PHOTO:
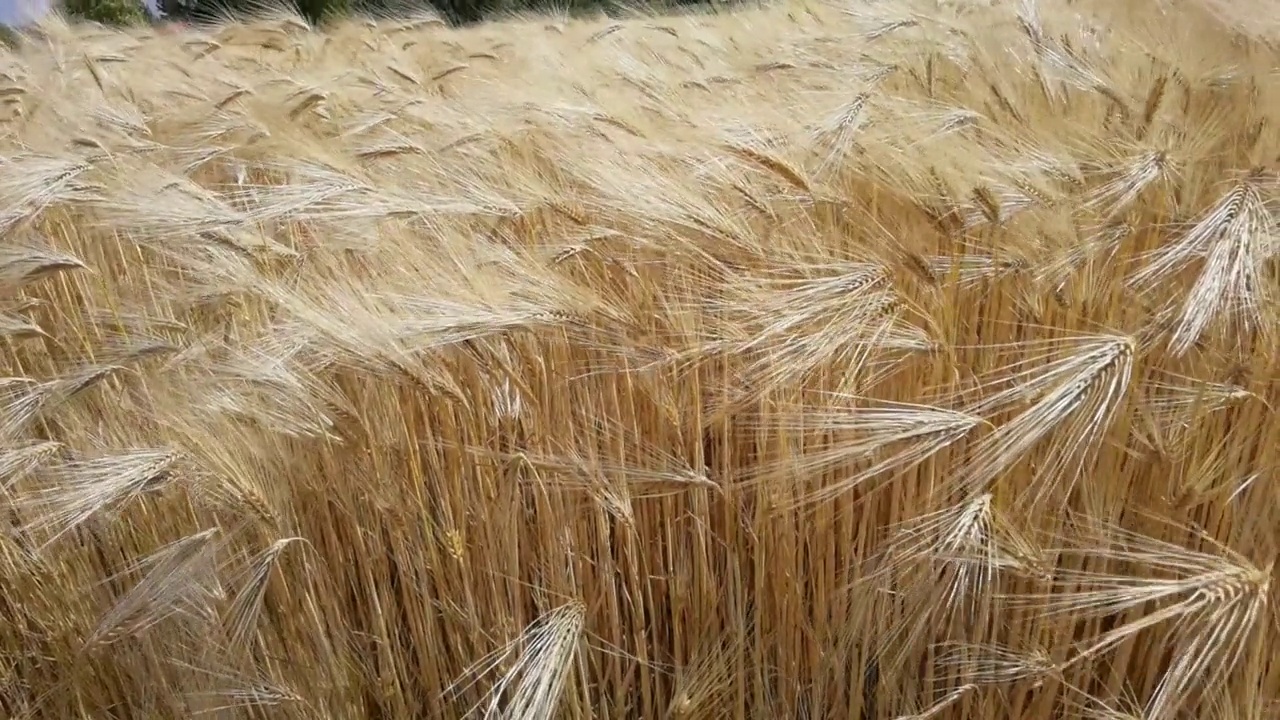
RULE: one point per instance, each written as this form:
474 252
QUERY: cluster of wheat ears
863 360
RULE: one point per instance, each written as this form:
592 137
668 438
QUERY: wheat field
877 359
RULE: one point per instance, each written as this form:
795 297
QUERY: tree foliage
458 12
112 12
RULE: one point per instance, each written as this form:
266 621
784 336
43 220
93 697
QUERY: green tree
108 12
317 11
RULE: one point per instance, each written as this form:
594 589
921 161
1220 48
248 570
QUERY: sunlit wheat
816 359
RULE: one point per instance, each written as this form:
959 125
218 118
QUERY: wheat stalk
901 358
